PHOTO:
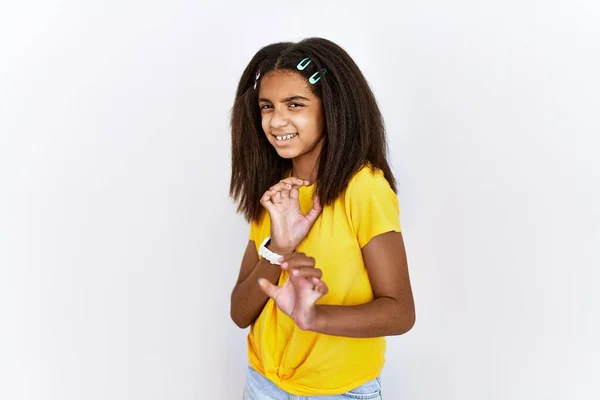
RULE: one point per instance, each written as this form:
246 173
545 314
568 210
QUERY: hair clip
256 80
314 80
303 64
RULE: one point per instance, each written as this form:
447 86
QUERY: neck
304 170
306 166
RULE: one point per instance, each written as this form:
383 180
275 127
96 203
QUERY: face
292 117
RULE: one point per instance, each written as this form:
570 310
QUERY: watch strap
267 254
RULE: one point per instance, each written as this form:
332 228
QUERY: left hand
289 225
298 295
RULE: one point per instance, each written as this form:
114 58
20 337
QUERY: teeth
286 137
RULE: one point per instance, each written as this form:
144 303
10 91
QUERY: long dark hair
354 130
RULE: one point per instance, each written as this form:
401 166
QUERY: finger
290 181
295 192
293 255
293 186
307 273
275 188
276 198
315 211
268 288
268 195
281 186
266 202
296 258
283 263
320 286
295 181
285 194
298 262
286 185
301 284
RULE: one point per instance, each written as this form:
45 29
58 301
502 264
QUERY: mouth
283 138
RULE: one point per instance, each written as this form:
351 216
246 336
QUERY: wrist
318 321
273 254
278 249
312 320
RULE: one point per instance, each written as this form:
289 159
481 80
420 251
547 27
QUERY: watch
268 254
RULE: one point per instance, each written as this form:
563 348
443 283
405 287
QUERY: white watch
268 254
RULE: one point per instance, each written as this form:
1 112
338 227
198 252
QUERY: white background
119 245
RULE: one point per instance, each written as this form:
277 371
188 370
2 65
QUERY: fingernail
295 272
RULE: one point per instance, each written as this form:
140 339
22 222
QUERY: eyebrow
292 98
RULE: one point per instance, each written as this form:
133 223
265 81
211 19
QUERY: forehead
278 85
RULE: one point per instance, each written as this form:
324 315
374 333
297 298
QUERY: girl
324 277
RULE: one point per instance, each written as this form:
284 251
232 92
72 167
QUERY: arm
247 299
392 312
281 202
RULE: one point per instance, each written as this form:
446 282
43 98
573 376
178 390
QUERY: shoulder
368 181
371 205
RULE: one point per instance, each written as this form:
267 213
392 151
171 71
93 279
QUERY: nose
278 119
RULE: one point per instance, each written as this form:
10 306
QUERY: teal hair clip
303 64
314 77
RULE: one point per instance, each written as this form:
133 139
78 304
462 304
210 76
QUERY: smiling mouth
286 137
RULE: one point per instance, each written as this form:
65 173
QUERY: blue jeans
260 388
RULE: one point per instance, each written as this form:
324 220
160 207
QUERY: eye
265 106
296 105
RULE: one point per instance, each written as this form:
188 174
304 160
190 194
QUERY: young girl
324 277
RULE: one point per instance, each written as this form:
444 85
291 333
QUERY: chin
287 153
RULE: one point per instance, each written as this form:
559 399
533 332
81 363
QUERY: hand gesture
288 225
298 295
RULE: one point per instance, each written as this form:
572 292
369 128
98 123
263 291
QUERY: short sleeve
258 230
373 206
252 231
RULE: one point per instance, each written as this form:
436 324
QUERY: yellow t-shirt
307 363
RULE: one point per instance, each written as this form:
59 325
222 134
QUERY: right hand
298 295
288 225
